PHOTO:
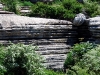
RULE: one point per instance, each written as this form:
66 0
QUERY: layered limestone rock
9 21
53 37
94 27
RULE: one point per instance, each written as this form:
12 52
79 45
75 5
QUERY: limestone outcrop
53 37
94 27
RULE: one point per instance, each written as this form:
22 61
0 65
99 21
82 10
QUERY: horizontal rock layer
52 37
94 26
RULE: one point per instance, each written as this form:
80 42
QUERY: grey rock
94 27
79 19
52 37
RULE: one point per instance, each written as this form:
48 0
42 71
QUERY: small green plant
76 70
2 57
51 72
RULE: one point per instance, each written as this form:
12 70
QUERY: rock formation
93 25
79 19
53 37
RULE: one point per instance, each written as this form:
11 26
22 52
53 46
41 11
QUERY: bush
2 57
22 59
11 5
91 60
26 3
62 9
39 10
76 53
57 12
92 9
73 5
89 64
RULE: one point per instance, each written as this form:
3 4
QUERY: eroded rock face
53 37
94 27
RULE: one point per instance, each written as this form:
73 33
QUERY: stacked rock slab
52 37
94 27
25 10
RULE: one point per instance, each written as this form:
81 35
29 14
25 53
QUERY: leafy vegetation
92 9
26 3
19 59
76 53
51 72
47 11
88 65
11 5
83 59
59 9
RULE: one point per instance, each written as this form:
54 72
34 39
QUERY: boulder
79 19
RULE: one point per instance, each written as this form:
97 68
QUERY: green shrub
91 60
88 65
76 53
76 70
26 3
69 15
57 12
2 57
39 9
92 9
19 59
11 5
73 5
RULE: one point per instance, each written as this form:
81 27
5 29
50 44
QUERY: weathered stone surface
23 21
25 10
52 37
1 6
79 19
94 26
